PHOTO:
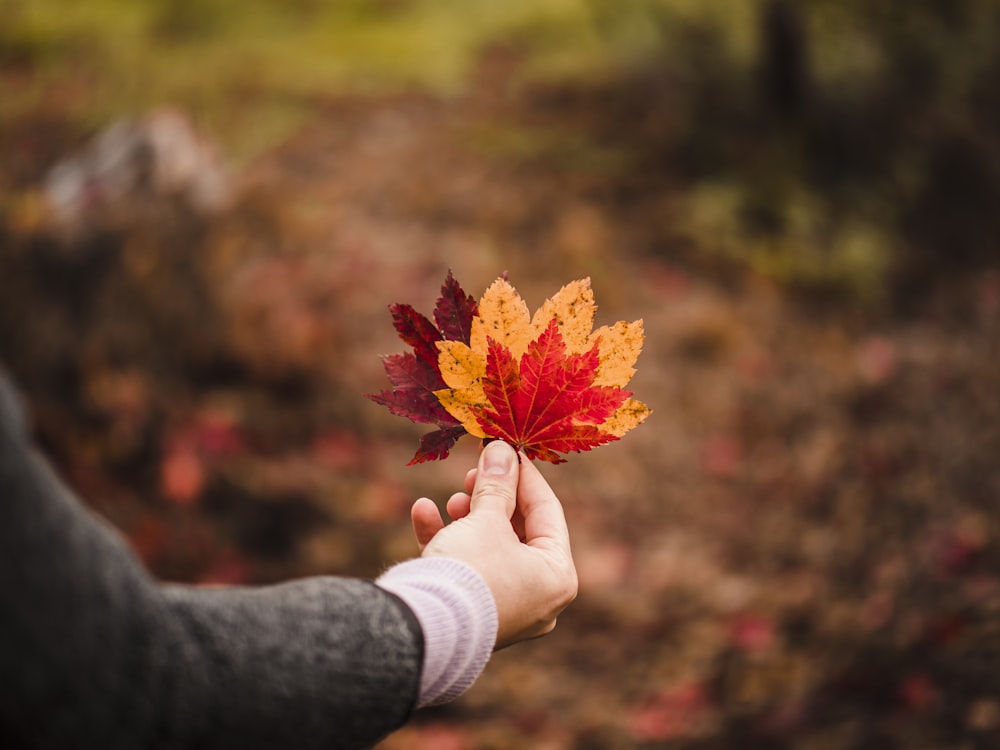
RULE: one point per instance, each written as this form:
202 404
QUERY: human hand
508 526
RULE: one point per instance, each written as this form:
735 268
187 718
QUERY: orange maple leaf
547 383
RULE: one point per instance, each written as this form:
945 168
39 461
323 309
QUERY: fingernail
498 458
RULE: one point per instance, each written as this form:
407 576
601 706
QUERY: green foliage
794 240
250 70
896 106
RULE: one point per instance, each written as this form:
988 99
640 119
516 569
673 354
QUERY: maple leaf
415 376
546 403
547 383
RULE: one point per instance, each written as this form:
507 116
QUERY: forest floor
799 549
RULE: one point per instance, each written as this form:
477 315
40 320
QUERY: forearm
321 662
94 653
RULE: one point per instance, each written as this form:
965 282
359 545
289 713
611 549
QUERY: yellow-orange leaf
459 404
510 353
462 371
503 317
573 308
630 414
460 366
620 346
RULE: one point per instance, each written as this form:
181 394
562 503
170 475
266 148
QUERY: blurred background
207 205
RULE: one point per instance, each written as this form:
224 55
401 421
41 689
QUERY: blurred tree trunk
784 71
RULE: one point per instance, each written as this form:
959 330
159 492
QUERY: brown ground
799 549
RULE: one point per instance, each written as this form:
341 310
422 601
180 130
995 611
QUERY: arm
94 653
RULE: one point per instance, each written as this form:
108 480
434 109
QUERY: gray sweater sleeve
94 653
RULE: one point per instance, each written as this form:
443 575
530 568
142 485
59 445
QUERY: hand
509 527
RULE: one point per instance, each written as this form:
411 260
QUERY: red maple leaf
547 384
416 375
546 404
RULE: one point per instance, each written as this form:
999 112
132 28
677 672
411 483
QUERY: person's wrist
458 616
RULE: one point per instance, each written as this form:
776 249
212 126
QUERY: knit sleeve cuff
458 616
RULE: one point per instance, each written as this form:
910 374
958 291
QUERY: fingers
427 521
545 530
544 521
496 479
458 505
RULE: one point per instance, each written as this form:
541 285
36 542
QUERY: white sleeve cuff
458 616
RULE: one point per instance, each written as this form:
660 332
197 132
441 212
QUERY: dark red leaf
418 331
437 444
454 311
412 395
416 375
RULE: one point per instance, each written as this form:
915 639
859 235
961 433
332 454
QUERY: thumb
496 480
